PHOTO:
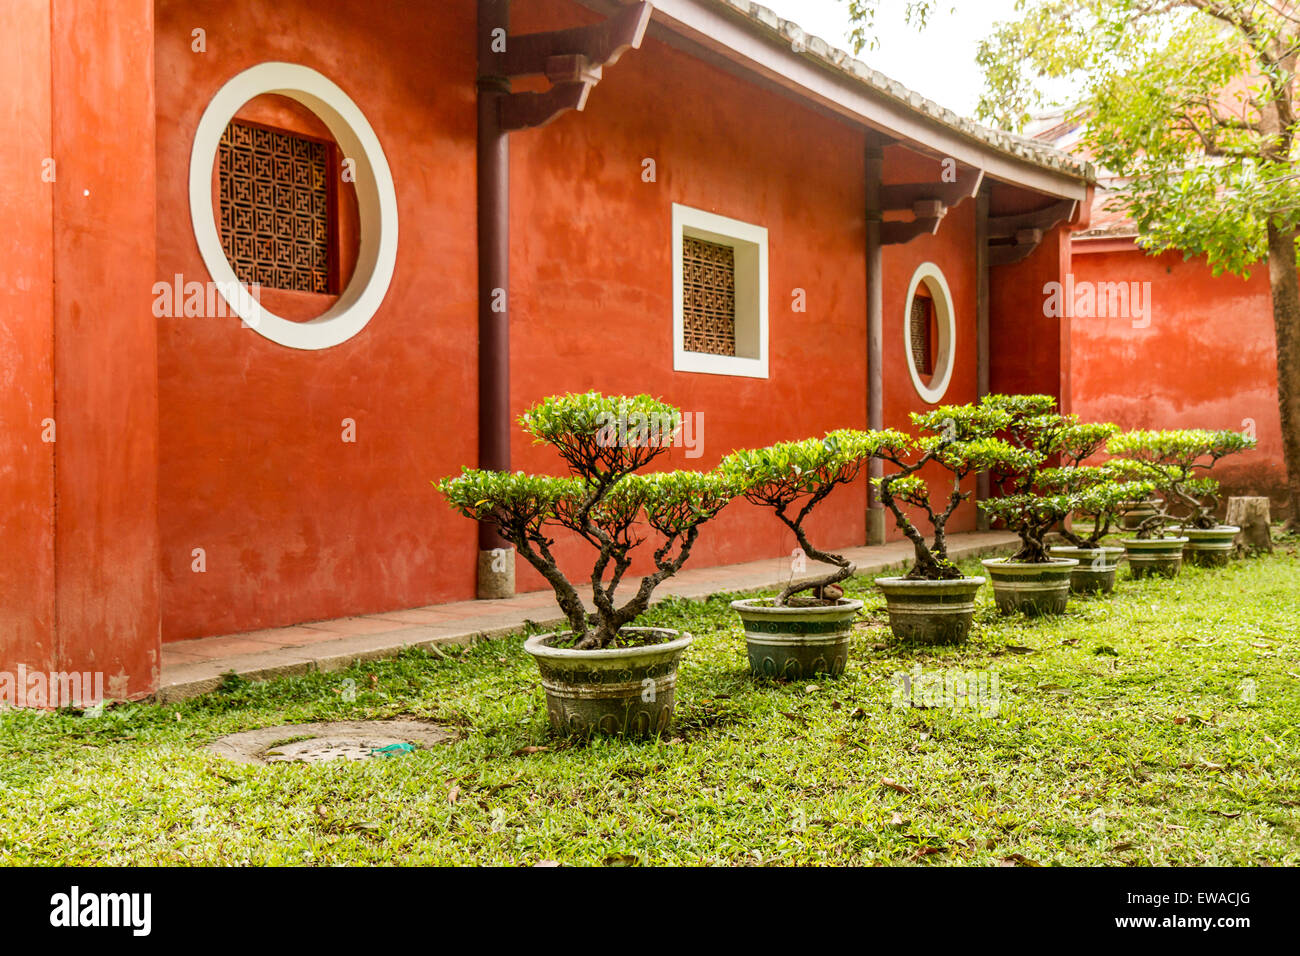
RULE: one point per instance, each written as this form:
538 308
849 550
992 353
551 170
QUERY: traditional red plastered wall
27 634
1029 352
105 345
592 272
1207 360
297 525
952 249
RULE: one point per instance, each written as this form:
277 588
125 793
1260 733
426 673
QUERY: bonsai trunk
844 565
1286 325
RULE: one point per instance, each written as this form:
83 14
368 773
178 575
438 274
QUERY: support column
875 164
982 330
496 557
107 606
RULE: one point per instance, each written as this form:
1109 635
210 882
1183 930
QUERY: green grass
1126 733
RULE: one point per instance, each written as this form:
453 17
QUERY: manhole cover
327 742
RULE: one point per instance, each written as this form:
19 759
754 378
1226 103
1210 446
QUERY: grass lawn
1157 726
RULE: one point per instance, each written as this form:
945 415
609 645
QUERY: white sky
939 63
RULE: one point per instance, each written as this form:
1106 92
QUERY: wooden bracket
928 202
905 196
1014 238
572 60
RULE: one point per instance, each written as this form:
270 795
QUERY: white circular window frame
946 324
376 203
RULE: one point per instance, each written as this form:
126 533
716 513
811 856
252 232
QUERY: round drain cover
328 742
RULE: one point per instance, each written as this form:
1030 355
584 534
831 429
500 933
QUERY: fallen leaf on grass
622 859
857 714
1017 649
545 863
894 785
928 851
525 751
1016 859
453 795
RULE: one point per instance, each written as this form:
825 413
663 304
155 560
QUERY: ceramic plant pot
1154 556
930 612
1210 547
623 691
1096 571
792 643
1031 588
1134 513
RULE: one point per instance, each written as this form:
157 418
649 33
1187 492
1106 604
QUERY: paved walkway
195 667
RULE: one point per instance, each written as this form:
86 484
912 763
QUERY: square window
720 295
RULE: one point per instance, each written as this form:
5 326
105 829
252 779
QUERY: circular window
376 201
930 333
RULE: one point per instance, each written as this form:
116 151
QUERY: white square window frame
750 244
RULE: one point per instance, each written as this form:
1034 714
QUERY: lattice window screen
275 209
709 296
922 351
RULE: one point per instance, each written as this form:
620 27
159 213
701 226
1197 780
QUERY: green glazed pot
930 612
620 692
1210 547
1031 588
1154 556
1096 571
793 643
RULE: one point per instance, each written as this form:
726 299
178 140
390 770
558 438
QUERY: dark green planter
930 612
1149 557
629 691
1210 547
1096 571
793 643
1033 588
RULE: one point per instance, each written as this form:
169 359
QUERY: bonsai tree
1100 493
793 478
604 501
963 440
1039 498
1177 463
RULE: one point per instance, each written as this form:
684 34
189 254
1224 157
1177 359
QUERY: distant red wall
1207 360
296 524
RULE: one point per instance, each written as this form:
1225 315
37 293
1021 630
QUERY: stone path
195 667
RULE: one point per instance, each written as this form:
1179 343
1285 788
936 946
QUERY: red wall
1208 359
296 524
26 333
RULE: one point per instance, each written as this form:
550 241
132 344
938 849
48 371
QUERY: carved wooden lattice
709 296
921 338
275 208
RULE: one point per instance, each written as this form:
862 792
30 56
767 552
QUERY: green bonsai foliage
1100 494
605 441
963 439
1039 498
1177 463
793 478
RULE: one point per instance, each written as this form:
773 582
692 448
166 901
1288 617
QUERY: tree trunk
1286 325
1252 516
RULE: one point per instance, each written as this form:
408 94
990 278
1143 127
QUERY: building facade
273 268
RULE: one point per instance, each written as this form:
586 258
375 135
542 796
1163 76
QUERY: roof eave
759 42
